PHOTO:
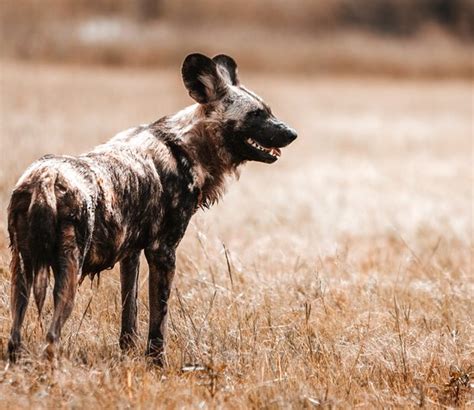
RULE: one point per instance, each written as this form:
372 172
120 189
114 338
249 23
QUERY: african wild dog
81 215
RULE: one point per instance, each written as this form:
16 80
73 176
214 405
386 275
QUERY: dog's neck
202 139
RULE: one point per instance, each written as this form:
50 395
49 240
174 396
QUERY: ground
339 276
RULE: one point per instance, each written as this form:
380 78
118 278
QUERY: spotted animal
79 215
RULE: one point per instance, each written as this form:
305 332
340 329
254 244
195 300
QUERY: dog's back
110 196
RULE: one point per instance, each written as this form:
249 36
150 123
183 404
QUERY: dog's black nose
292 135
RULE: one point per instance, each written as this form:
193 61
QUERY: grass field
347 280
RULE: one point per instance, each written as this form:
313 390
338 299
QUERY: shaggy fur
80 215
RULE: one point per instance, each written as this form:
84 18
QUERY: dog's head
249 128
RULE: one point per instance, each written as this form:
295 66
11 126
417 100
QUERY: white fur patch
146 142
184 121
243 102
224 74
209 84
27 173
73 176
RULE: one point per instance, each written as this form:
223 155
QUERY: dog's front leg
161 263
129 268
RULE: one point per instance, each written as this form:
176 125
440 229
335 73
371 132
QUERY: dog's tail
32 224
42 216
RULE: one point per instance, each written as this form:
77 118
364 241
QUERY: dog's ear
202 79
227 67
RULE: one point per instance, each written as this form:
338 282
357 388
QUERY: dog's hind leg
66 271
22 279
129 268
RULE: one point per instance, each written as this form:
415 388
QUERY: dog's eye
257 113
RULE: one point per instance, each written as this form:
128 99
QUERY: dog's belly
110 246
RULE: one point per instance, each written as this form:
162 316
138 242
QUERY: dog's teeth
274 152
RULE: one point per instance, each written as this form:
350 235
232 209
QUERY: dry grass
349 280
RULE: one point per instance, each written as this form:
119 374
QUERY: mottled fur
80 215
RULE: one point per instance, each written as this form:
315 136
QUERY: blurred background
369 213
391 37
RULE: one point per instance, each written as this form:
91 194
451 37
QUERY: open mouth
273 152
